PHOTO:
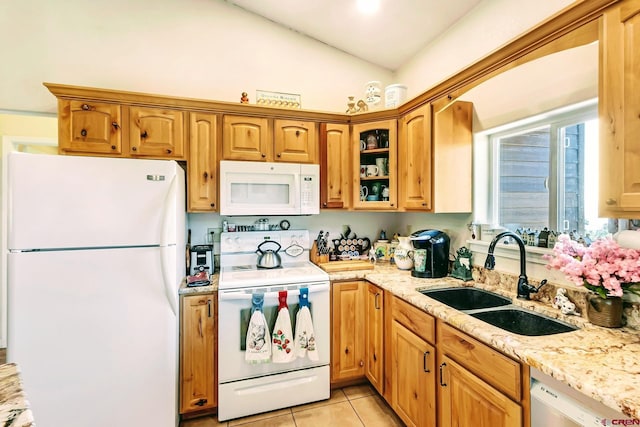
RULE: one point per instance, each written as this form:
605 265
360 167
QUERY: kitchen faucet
524 288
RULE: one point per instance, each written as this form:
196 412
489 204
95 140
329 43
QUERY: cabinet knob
144 134
264 155
168 151
115 125
297 133
205 175
83 132
424 204
85 107
134 148
611 202
213 205
361 363
113 147
391 204
375 357
346 350
324 204
279 155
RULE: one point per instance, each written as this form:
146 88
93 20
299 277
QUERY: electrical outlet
216 235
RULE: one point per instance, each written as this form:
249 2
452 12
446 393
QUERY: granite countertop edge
15 410
601 363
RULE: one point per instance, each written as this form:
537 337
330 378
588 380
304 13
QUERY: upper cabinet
335 166
202 167
246 138
264 140
452 158
414 159
89 127
374 170
156 132
619 106
295 141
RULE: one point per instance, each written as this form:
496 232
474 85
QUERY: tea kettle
268 258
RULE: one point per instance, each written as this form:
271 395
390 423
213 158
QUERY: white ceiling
388 38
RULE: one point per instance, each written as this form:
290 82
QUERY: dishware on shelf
364 192
382 163
372 142
363 171
372 198
377 188
372 170
373 93
385 194
363 145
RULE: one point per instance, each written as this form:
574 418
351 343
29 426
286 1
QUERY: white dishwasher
556 404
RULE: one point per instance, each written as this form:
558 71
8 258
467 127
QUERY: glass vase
605 312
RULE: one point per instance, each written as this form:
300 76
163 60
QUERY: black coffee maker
430 254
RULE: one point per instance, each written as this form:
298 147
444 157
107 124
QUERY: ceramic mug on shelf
372 198
377 188
372 142
372 170
363 145
363 171
364 192
385 194
382 163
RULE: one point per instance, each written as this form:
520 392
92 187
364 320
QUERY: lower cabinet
466 400
198 337
374 336
347 326
413 365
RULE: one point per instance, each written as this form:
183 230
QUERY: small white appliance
244 388
556 404
93 276
256 188
202 259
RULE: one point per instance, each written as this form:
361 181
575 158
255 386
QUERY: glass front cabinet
375 165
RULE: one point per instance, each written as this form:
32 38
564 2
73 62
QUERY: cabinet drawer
492 366
414 319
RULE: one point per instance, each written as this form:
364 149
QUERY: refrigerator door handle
169 290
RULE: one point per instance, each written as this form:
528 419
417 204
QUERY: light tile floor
351 406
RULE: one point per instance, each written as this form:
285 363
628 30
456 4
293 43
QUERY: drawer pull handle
375 301
201 402
346 350
424 362
466 344
611 202
375 358
442 374
209 308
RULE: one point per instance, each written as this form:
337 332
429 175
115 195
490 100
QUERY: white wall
204 49
490 25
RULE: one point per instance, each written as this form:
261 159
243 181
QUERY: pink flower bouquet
604 267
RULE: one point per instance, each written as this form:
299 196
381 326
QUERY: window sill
508 250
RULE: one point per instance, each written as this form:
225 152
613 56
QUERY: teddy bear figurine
244 99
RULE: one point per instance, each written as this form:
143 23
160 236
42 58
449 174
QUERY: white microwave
257 188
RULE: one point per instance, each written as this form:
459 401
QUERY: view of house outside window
546 174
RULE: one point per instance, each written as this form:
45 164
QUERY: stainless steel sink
498 310
523 322
466 298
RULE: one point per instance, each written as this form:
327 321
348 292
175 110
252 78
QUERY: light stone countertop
14 407
602 363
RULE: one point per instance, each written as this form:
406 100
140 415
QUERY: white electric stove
244 388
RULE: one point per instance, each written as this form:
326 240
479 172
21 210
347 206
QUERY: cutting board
351 265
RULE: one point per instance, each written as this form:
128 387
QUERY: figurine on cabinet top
244 99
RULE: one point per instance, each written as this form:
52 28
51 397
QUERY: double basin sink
498 311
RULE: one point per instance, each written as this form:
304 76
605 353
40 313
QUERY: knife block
315 257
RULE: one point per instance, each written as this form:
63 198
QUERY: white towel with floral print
305 338
257 348
282 337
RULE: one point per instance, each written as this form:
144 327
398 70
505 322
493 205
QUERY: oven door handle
246 295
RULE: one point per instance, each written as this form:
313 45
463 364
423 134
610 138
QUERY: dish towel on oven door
258 349
282 342
304 338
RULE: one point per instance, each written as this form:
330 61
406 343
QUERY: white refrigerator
96 255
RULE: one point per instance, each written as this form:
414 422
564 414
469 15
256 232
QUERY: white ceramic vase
403 255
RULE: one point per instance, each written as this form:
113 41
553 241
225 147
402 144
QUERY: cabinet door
619 106
412 377
246 138
374 345
156 132
347 318
295 141
452 158
374 144
414 160
198 384
335 166
466 400
89 127
202 166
